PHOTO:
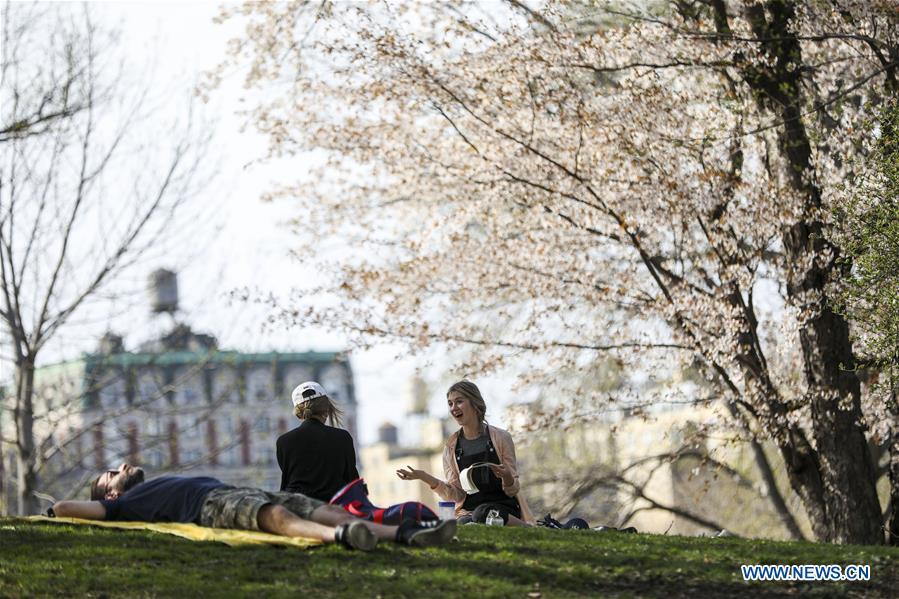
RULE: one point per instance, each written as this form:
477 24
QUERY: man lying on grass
123 495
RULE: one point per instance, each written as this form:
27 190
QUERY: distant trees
86 191
654 183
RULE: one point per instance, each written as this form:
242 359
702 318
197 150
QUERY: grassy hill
51 560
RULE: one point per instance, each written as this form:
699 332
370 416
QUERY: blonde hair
320 408
470 391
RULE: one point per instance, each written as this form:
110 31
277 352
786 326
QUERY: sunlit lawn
45 559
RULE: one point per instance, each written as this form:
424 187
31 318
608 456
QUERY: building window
188 387
99 448
263 424
152 457
259 384
333 379
174 458
225 386
149 390
190 397
112 391
212 443
295 374
245 448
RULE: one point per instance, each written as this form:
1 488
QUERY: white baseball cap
306 391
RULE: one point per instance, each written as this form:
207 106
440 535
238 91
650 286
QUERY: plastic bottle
494 519
446 510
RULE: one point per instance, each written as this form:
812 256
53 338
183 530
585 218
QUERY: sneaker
724 533
355 535
576 524
426 534
549 522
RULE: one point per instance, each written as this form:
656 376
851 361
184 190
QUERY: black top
316 460
162 499
490 487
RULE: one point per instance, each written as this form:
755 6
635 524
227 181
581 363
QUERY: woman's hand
410 473
504 473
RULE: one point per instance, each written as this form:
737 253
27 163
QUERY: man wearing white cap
316 459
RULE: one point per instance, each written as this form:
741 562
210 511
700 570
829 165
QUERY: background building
180 410
178 404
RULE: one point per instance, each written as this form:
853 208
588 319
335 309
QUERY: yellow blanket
192 532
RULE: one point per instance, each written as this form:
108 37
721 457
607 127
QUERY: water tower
387 433
163 291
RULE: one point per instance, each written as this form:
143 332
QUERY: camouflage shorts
238 507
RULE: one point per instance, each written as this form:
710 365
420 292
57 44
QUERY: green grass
51 560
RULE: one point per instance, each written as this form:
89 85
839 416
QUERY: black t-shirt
316 460
490 487
162 499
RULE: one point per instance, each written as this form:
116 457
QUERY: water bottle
446 510
494 519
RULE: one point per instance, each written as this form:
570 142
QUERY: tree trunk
850 494
892 520
3 474
26 477
852 511
848 510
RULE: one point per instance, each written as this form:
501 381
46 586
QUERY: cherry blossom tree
654 181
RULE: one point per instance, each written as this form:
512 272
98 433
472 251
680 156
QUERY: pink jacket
451 490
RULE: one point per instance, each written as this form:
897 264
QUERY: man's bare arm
89 510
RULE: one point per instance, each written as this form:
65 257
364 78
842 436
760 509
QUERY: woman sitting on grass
476 441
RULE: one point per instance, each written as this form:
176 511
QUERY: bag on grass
573 523
354 499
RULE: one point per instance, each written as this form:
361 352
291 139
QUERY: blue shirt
162 499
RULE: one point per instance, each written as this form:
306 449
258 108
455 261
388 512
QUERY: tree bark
845 479
4 511
26 477
853 511
892 519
